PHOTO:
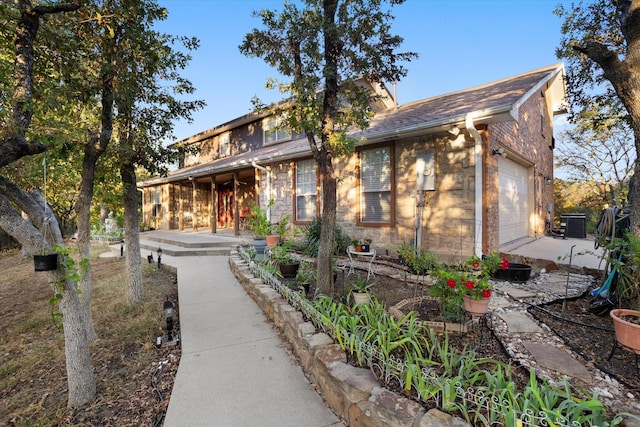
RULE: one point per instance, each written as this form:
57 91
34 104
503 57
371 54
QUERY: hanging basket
45 262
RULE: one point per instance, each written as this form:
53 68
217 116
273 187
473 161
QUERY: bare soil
134 378
590 336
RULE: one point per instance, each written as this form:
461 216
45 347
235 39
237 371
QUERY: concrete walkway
234 369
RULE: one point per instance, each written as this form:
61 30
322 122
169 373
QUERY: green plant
306 273
282 254
282 228
624 256
72 274
451 283
311 239
364 241
361 284
488 264
257 221
417 261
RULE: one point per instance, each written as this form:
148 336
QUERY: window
306 190
156 200
275 130
375 185
225 145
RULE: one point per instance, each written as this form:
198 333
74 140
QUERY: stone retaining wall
354 394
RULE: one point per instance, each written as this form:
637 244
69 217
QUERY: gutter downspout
262 168
471 128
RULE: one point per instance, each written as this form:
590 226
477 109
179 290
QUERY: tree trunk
93 149
327 232
42 230
83 218
80 378
135 290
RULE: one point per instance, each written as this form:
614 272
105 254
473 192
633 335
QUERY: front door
225 206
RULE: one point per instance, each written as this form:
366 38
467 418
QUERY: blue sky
461 44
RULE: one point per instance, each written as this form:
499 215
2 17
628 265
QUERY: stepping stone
501 302
518 322
558 360
519 293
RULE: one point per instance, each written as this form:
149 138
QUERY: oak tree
325 47
601 44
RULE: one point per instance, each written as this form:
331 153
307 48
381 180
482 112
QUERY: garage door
513 200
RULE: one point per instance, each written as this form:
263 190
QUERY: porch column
194 203
214 205
181 211
236 213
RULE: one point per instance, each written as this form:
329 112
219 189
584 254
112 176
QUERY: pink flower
486 293
451 283
504 265
469 284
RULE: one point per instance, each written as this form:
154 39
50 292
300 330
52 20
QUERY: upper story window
375 186
275 130
306 190
225 144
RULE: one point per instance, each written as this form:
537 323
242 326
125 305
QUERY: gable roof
489 103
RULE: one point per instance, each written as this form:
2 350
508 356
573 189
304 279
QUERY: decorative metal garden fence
486 405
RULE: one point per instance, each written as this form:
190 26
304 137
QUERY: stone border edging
354 394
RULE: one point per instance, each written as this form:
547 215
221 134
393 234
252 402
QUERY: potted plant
360 291
626 324
286 261
476 293
282 228
306 275
45 261
492 265
363 245
457 289
625 259
259 225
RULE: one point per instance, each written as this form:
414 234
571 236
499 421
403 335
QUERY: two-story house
456 174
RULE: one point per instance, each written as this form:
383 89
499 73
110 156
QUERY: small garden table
351 252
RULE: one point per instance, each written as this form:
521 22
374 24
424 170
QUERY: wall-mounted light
454 131
548 180
190 177
499 152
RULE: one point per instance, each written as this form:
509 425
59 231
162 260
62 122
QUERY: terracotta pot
357 248
272 240
45 262
627 333
475 307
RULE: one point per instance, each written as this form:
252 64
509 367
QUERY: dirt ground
590 336
134 378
